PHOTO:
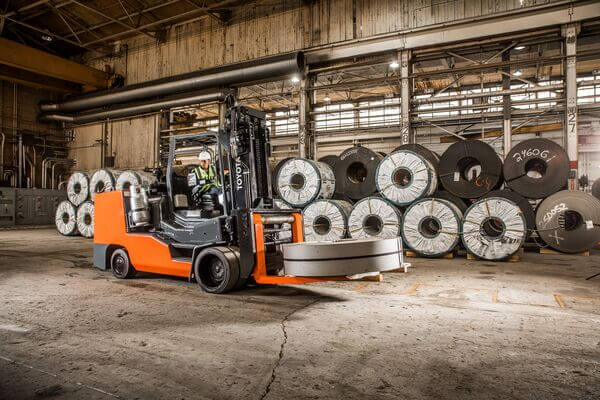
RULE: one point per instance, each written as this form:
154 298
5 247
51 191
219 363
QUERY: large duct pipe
136 109
256 70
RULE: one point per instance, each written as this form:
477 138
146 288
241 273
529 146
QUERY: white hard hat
204 155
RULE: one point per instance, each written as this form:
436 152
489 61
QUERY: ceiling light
327 98
295 79
394 64
520 47
518 72
47 38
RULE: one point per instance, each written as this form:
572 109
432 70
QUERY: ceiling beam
30 79
29 59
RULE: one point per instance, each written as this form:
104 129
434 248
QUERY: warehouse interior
299 199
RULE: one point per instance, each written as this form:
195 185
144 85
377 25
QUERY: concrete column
570 32
406 132
304 129
506 126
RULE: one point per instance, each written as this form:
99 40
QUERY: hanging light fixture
394 64
518 72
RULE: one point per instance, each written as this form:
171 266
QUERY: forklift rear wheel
120 264
217 270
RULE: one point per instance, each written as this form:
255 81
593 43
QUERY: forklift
222 242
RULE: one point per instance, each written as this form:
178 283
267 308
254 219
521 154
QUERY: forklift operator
206 178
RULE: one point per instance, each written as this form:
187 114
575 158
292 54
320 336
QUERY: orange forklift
221 241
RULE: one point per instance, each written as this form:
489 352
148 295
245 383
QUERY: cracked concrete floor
447 329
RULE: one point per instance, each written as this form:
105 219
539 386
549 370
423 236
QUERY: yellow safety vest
206 179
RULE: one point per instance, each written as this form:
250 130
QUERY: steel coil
457 201
569 221
330 160
275 171
103 180
523 204
355 172
493 228
374 217
596 189
301 181
405 176
78 188
85 219
343 258
66 218
431 227
423 151
470 168
138 178
326 220
536 168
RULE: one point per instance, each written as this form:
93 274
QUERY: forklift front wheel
120 265
217 270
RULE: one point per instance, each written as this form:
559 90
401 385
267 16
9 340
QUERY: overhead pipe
256 70
138 109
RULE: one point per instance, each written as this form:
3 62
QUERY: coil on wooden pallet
405 176
301 181
85 219
536 168
103 180
470 168
569 221
355 172
66 218
342 258
78 188
523 204
493 228
431 227
423 151
374 217
326 220
138 178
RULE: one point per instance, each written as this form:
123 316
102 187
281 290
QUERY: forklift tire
120 265
217 270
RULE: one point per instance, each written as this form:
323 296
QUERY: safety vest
206 179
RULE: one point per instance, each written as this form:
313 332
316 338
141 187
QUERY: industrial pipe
255 70
136 109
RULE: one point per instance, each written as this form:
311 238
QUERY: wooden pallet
546 250
412 254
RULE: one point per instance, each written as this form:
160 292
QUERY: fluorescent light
47 38
327 98
520 47
295 79
394 64
518 72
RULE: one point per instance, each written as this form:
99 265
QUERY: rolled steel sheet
301 181
374 217
457 201
330 160
103 180
596 189
66 218
431 227
326 220
423 151
523 204
493 228
536 168
404 177
85 219
78 188
355 172
275 171
470 168
139 178
569 221
342 258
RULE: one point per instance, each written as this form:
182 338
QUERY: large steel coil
66 218
536 168
103 180
85 219
138 178
569 221
523 204
78 188
374 217
326 220
405 176
275 171
342 258
457 201
423 151
493 228
355 172
431 227
301 181
470 168
330 160
596 188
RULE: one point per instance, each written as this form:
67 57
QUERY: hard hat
204 155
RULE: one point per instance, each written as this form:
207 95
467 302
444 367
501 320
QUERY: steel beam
30 79
406 134
506 107
304 108
570 32
26 58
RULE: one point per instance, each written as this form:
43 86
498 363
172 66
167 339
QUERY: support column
222 112
570 32
305 139
507 123
406 132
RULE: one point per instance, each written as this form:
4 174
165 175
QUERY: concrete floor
447 329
